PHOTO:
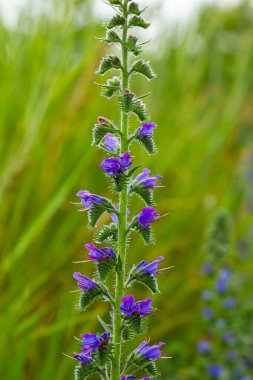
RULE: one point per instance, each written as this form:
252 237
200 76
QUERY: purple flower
146 352
90 342
84 283
229 303
221 286
128 377
144 180
204 347
225 274
115 166
215 371
146 130
144 267
227 337
111 143
128 305
87 199
207 313
147 216
96 254
207 268
144 307
207 295
83 357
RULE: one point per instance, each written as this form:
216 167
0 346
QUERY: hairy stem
122 218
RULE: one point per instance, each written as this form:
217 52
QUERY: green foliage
140 110
151 368
143 68
104 268
107 328
108 233
83 371
145 233
95 212
146 194
112 37
87 298
99 132
117 20
133 46
147 142
111 88
138 21
108 63
134 8
126 101
150 281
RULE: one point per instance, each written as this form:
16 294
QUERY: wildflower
112 143
83 357
221 286
146 268
128 305
115 166
225 274
145 352
146 130
144 179
90 342
215 371
96 254
227 337
207 313
85 283
88 200
229 302
207 295
207 268
147 216
104 121
144 307
204 347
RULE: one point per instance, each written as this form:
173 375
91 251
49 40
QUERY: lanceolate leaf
147 143
100 130
126 101
133 46
146 194
108 63
152 369
87 298
143 68
150 281
95 212
138 21
116 21
106 327
111 88
107 233
104 268
134 8
83 371
140 109
112 37
146 233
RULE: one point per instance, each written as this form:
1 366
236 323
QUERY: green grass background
202 102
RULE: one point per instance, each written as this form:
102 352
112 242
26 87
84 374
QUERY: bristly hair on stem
102 353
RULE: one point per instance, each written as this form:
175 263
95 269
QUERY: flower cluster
223 351
101 353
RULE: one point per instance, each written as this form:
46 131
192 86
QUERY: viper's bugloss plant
104 353
225 348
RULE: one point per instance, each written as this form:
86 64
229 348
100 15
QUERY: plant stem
122 217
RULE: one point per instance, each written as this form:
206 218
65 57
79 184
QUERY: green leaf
112 37
111 88
133 46
119 183
134 9
108 233
146 194
138 21
139 108
108 63
117 20
146 233
83 371
100 130
106 327
103 355
125 101
148 280
152 369
115 2
87 298
132 171
143 68
104 268
147 142
96 211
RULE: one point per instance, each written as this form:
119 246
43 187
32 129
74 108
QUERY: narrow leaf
116 21
108 63
106 327
134 9
143 68
138 21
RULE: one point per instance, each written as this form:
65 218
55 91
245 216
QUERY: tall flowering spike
102 353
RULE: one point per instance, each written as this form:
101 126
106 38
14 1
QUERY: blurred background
202 102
